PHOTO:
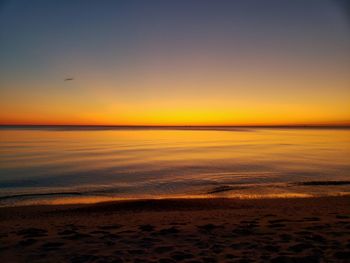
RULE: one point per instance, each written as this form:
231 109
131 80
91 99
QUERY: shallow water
69 165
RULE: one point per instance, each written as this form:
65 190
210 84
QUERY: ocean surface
57 165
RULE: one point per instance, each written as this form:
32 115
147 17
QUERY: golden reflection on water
93 200
154 163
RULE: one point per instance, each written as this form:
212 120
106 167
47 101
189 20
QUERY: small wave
39 195
225 188
323 183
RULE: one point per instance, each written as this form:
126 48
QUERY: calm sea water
64 165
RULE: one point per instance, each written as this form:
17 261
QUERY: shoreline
78 199
302 189
199 203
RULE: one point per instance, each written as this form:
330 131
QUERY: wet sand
181 230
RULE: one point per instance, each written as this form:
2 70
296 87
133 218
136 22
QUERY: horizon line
181 126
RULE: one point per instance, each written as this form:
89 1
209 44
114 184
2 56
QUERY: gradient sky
183 62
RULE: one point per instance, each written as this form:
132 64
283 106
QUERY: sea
44 165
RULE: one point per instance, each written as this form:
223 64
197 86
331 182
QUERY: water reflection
154 163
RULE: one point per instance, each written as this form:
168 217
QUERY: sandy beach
180 230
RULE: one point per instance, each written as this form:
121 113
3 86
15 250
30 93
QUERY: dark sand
195 230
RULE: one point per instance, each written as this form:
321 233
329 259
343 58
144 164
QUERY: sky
183 62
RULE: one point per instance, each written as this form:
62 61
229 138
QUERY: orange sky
220 64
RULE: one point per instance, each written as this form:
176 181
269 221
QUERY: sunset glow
180 63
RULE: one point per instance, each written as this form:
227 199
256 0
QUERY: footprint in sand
77 236
316 238
287 259
110 227
300 247
180 256
318 227
285 238
99 232
163 249
67 232
277 225
311 219
136 252
202 245
342 217
217 249
271 248
27 242
208 227
170 230
146 228
52 246
242 231
32 232
342 255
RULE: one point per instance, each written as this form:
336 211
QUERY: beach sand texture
180 230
